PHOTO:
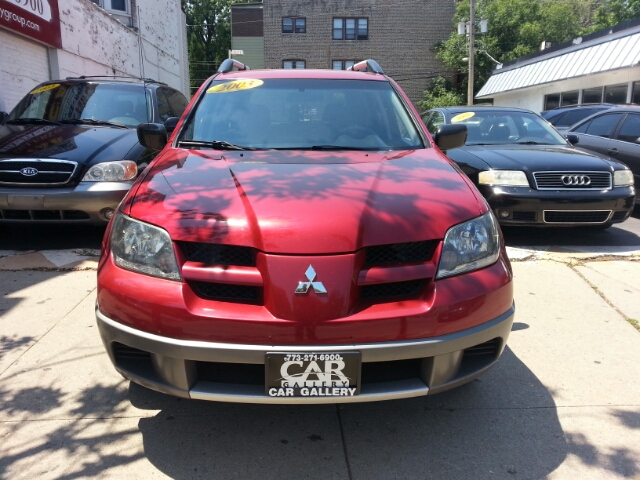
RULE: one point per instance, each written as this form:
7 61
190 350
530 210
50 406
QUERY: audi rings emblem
29 171
576 180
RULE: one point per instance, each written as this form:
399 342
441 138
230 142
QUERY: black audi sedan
531 175
69 150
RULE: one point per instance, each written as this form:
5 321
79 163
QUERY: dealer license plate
335 374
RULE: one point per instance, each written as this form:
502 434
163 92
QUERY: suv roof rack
367 66
127 77
229 63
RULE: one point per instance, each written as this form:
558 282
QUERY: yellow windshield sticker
462 117
45 88
235 86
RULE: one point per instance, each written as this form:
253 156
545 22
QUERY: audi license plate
335 374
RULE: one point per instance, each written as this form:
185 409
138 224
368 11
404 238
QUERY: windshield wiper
35 121
532 142
92 121
215 144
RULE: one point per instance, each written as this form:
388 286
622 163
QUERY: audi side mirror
573 139
152 135
448 137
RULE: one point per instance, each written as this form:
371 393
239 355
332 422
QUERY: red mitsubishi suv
301 238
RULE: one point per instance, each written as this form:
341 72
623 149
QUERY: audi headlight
513 178
470 246
112 172
622 178
143 248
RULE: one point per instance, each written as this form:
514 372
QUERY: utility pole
471 30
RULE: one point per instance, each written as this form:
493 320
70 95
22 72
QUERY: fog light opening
108 213
504 214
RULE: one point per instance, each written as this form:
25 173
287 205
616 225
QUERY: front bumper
178 367
86 203
525 206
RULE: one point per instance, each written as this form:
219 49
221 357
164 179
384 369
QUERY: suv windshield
70 102
302 114
507 127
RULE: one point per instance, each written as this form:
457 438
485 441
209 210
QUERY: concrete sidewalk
563 402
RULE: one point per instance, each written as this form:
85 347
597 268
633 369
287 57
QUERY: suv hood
79 143
301 202
534 158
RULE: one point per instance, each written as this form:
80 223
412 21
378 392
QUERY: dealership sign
37 19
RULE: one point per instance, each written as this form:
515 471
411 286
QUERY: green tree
516 28
208 36
441 94
612 12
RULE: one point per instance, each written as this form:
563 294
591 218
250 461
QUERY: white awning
614 54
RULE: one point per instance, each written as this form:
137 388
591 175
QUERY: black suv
69 151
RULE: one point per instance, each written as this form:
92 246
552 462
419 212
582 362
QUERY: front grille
233 373
553 180
227 293
489 348
43 215
524 216
391 290
216 254
400 253
395 370
560 216
49 172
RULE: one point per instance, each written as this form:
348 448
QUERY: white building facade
51 39
601 67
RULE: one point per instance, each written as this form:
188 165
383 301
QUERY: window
630 130
615 93
434 122
293 64
635 94
164 111
592 95
570 98
177 102
294 25
603 125
350 29
120 6
342 64
551 101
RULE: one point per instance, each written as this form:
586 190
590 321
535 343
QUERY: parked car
615 133
531 175
564 117
301 239
69 150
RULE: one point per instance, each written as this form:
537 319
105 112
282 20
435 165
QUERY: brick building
399 35
51 39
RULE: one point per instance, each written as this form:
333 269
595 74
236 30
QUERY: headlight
112 172
512 178
143 248
622 178
470 246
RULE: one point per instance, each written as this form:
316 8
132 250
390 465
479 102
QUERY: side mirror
152 135
452 136
170 124
573 139
3 117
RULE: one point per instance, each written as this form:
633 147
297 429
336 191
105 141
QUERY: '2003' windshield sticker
462 117
44 89
235 86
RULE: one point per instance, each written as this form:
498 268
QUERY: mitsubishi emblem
303 287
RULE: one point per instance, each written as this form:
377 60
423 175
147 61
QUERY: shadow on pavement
504 423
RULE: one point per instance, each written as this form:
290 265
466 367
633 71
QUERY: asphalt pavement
562 403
